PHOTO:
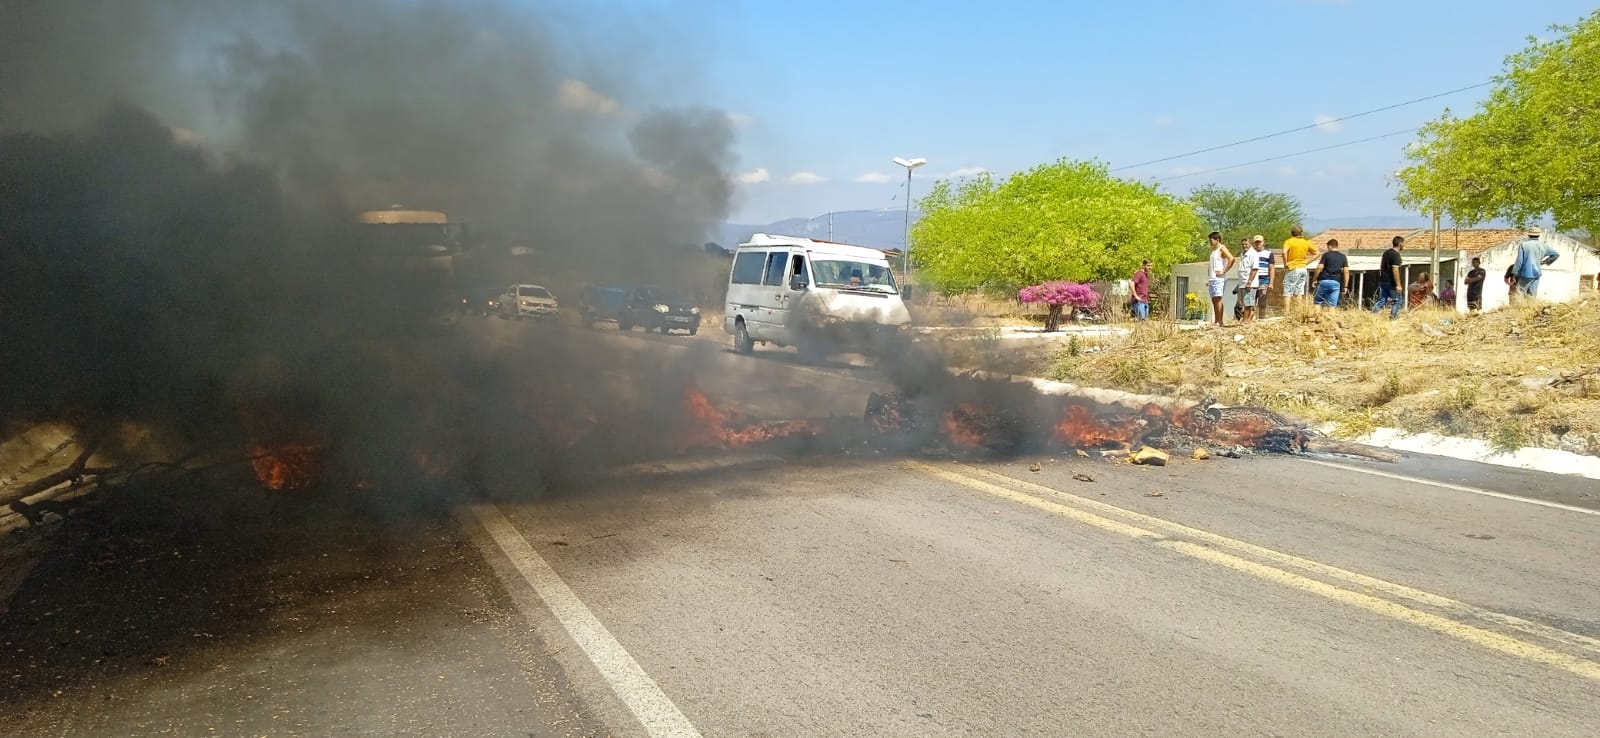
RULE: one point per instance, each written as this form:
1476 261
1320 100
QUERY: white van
819 296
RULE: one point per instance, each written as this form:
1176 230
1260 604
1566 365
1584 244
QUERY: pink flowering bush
1057 296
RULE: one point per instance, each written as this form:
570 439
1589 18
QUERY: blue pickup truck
603 303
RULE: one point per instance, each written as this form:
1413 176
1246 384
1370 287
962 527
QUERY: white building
1572 276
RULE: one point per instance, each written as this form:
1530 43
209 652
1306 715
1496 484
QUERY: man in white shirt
1249 279
1217 276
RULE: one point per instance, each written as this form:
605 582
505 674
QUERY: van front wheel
741 339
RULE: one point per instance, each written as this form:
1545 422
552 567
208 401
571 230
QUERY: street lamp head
910 163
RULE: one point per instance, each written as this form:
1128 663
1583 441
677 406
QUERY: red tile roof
1470 240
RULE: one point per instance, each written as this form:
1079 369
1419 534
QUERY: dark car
658 309
602 303
484 301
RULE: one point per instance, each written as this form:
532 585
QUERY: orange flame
713 426
960 425
1079 428
290 466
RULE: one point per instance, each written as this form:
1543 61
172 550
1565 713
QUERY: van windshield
853 275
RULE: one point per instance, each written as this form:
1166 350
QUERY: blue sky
827 92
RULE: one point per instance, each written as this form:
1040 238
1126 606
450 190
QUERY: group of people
1324 274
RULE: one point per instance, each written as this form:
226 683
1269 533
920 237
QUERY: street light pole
905 254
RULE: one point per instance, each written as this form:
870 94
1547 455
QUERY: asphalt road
855 595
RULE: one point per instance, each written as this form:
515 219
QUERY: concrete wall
1195 273
1562 281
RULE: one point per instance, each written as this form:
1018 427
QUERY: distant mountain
885 229
879 229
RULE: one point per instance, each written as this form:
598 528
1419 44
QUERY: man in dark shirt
1475 277
1389 278
1141 291
1333 277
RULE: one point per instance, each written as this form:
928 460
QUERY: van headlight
660 308
694 311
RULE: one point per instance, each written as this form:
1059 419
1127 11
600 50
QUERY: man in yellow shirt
1298 252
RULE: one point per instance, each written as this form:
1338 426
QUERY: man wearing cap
1298 252
1249 282
1264 264
1532 256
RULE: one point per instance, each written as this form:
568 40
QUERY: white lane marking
652 707
1456 487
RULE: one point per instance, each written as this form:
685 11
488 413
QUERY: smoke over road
177 178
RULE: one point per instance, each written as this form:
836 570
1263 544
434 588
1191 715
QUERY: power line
1286 156
1305 128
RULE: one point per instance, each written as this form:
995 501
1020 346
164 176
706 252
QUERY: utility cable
1286 156
1305 128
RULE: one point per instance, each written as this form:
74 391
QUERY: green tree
1244 213
1069 220
1532 148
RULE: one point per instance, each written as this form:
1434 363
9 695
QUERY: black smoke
178 179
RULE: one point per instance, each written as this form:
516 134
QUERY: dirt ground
1526 375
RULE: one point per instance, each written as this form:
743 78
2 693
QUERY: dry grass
975 310
1529 374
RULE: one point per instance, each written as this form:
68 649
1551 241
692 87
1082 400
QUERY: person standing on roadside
1389 278
1217 277
1475 277
1238 291
1249 282
1298 252
1264 267
1141 291
1533 256
1333 276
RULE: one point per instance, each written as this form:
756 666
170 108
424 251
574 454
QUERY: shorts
1250 297
1215 286
1294 283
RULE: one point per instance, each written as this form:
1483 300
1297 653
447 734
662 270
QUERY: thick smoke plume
178 179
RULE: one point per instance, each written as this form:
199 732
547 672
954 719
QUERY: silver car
528 301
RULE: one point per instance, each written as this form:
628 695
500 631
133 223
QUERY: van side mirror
798 283
905 292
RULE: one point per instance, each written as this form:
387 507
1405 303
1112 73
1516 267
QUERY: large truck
419 252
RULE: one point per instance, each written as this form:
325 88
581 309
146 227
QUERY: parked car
660 310
484 301
528 301
602 303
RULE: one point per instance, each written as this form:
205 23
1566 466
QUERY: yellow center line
1454 607
1442 625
